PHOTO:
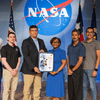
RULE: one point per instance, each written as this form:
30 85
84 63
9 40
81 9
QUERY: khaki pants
28 80
9 80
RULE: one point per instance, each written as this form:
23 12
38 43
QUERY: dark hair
33 26
89 28
54 38
75 30
11 33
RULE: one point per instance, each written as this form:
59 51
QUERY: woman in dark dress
55 79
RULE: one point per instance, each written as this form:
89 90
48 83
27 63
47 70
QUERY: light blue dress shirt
36 43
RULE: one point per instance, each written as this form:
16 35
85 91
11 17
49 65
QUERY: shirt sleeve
82 52
97 45
63 55
3 52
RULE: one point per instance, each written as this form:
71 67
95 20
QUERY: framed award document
46 62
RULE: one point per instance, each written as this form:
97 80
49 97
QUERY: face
11 38
33 32
55 43
89 33
75 36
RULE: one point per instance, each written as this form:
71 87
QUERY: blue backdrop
60 24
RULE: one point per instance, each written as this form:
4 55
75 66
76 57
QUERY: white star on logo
77 25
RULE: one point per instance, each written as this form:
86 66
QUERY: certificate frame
46 62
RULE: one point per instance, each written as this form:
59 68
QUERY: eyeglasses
55 42
90 32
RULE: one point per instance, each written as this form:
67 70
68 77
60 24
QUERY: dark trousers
0 73
75 84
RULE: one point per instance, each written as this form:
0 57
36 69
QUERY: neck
75 43
34 38
89 40
11 44
54 48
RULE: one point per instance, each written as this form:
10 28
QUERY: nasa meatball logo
51 16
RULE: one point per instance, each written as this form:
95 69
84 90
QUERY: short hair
76 30
89 28
33 26
11 33
54 38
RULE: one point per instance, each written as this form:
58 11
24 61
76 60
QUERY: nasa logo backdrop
51 16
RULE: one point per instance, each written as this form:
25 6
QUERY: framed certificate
46 62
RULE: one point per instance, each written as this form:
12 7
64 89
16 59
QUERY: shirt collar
89 42
56 49
76 45
34 39
10 46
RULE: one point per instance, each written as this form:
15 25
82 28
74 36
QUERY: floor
19 92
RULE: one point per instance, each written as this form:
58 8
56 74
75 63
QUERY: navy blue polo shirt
74 52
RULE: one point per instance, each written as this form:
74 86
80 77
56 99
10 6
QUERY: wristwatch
96 69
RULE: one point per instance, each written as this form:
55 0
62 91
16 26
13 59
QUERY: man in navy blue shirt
75 55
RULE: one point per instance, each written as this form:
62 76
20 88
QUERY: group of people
82 65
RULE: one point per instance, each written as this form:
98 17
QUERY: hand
53 73
13 72
70 72
41 50
94 73
36 70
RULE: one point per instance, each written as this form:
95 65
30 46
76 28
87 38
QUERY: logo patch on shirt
16 49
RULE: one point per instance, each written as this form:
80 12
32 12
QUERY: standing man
11 61
1 44
75 55
91 63
30 49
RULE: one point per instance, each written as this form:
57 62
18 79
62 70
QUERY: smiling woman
55 80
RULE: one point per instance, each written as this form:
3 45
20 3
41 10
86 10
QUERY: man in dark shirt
30 49
75 55
11 60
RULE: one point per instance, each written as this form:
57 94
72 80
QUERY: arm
25 51
1 44
63 61
78 63
0 59
70 72
98 59
67 62
60 68
18 64
8 66
94 74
